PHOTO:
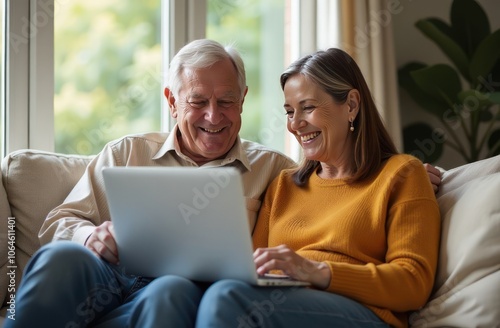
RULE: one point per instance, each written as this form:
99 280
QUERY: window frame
29 75
28 95
183 21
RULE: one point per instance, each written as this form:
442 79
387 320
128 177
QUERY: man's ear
243 100
171 102
353 100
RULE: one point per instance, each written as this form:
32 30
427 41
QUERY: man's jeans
65 285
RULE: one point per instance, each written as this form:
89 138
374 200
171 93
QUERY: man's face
208 111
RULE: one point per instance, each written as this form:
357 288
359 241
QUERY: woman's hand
285 259
102 242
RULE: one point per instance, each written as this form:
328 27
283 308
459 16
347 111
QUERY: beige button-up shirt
86 206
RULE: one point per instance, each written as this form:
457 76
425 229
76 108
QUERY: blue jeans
66 286
231 303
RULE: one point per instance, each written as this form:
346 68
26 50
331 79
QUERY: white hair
203 53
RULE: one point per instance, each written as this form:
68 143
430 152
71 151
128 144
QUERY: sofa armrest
467 285
35 182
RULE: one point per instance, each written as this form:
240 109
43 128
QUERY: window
81 73
256 27
107 64
108 75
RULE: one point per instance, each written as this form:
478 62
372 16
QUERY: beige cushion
457 177
35 182
467 286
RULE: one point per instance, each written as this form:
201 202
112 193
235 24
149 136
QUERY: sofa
467 287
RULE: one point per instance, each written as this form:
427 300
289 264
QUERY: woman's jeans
232 303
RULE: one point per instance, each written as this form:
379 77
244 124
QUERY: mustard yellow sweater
380 237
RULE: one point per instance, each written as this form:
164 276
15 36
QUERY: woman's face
318 122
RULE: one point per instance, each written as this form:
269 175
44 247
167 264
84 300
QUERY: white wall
412 45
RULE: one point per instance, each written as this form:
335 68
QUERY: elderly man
77 283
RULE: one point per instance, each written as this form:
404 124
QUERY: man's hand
434 175
102 242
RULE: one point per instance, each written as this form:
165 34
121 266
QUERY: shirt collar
170 144
236 153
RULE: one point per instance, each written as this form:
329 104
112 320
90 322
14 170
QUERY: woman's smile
309 138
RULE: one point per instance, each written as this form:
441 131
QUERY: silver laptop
184 221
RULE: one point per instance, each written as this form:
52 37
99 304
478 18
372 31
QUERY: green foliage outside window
256 27
107 72
108 67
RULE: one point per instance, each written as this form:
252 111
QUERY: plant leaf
440 81
470 22
494 79
494 97
474 99
424 100
494 142
420 140
445 28
485 57
447 44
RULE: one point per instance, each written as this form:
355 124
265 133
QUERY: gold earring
352 126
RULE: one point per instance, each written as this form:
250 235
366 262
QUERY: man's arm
84 215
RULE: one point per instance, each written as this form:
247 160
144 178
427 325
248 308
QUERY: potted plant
465 98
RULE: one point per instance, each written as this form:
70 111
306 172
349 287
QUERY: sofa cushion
458 176
467 286
35 183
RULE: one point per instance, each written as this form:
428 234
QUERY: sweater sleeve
405 280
